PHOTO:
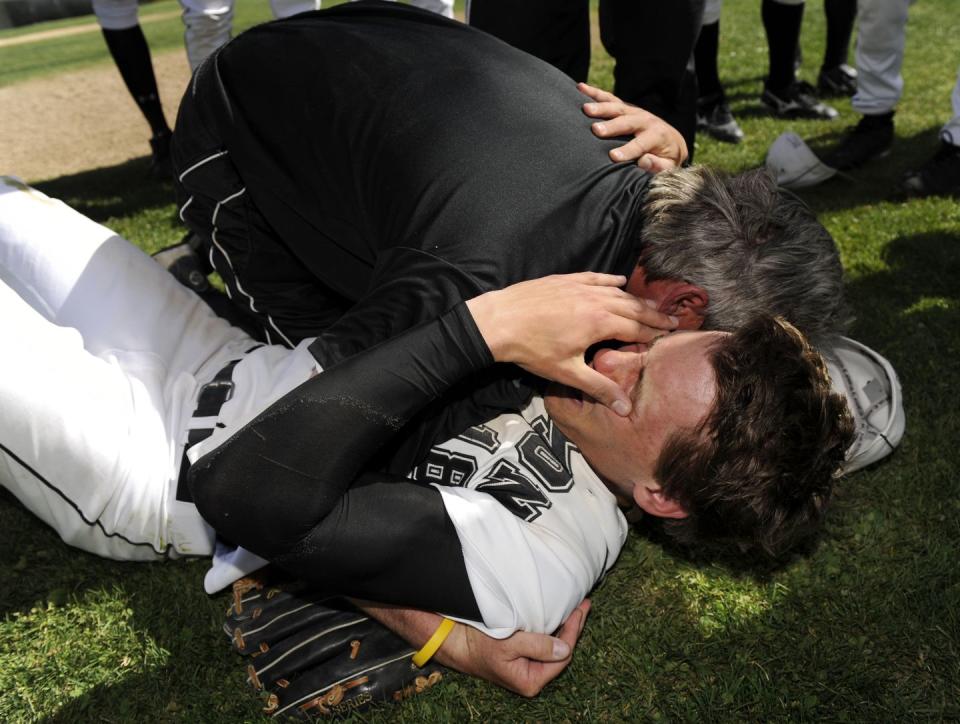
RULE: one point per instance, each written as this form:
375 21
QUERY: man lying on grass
734 438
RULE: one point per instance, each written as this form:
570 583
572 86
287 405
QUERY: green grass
865 629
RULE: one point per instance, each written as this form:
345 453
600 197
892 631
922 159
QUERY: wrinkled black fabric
376 127
388 162
295 486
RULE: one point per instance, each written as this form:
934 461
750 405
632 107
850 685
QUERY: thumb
540 647
656 164
601 388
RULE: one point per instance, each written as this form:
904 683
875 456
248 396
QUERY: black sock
877 120
782 23
840 16
132 56
705 61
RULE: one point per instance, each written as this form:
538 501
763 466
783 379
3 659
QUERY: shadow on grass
874 182
198 679
122 190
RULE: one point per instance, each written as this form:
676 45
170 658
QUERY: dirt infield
80 120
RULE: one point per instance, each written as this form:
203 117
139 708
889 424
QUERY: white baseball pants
105 355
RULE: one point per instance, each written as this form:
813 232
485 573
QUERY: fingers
604 390
597 279
544 648
596 93
623 120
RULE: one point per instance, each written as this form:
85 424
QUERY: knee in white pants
116 14
207 26
286 8
711 11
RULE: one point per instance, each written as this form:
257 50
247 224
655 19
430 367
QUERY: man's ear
654 502
688 303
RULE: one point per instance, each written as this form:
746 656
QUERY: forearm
411 624
268 485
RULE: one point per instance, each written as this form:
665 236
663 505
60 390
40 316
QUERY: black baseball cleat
715 119
837 82
185 264
940 176
161 168
871 138
797 100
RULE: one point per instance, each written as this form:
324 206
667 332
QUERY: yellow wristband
436 641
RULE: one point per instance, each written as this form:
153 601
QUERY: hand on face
656 146
546 325
672 386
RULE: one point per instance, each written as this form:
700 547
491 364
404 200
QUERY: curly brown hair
756 476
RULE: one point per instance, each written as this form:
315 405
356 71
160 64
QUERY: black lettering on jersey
445 468
539 459
559 445
482 436
515 491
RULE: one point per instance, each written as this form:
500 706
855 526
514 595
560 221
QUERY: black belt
213 395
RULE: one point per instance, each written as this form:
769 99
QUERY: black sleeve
272 485
389 540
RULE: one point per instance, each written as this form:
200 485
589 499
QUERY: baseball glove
319 657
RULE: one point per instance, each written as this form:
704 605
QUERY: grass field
865 629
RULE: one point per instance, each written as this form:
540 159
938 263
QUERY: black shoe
185 264
715 119
940 176
161 168
871 138
797 100
837 82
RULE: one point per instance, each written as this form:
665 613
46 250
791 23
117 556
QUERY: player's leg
881 37
124 38
286 8
783 94
941 173
441 7
78 447
879 57
654 70
557 31
207 25
98 391
265 281
950 133
80 274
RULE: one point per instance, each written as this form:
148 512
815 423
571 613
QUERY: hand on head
656 145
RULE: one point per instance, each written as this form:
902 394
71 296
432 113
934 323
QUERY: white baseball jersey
537 526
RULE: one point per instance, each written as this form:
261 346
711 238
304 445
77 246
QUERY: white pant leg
286 8
99 388
711 11
881 34
951 131
441 7
207 25
116 14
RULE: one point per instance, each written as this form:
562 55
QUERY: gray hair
753 247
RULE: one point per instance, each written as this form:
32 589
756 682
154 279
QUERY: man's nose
619 366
